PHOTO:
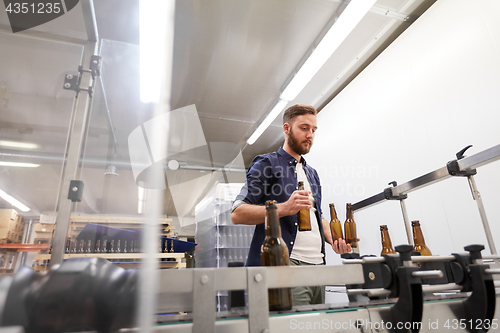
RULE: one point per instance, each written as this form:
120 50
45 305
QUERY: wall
431 93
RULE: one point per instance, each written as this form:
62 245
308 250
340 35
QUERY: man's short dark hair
298 110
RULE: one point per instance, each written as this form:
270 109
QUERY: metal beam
467 163
76 139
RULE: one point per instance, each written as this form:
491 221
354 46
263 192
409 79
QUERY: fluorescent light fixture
153 16
17 164
15 144
339 31
13 201
269 119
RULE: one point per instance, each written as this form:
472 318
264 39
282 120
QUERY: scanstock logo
26 14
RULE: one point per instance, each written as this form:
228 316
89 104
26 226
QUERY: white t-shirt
307 245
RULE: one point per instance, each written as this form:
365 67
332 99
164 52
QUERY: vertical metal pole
77 137
407 222
26 235
477 196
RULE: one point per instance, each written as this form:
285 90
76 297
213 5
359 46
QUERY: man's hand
340 246
297 201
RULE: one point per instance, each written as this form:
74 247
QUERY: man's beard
297 146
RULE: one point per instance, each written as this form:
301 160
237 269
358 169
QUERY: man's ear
286 128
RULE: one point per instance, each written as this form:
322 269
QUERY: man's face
300 133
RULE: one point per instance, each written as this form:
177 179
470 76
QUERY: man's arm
327 231
255 214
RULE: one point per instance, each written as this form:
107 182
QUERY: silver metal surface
492 271
482 213
432 258
440 287
483 157
204 301
234 278
428 274
323 275
489 256
467 163
12 329
406 220
363 260
26 235
90 21
76 140
369 292
422 181
258 299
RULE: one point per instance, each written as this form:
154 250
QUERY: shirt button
291 243
295 223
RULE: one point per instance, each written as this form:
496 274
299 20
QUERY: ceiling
231 59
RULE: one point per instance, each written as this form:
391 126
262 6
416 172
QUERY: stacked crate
11 226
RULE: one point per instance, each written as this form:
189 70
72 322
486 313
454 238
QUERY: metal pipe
477 196
26 235
432 258
467 163
492 271
407 222
440 287
76 139
488 256
436 274
363 260
369 292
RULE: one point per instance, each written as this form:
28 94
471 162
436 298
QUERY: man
275 176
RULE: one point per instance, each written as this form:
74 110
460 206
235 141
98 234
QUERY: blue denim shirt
273 176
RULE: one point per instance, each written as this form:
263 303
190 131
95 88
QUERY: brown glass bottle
303 215
386 241
350 228
335 225
418 240
275 253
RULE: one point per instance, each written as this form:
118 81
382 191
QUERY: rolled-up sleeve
256 183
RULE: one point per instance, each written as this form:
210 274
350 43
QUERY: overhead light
344 25
15 144
17 164
339 31
269 119
13 201
153 16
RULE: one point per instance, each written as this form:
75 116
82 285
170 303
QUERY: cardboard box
8 234
44 227
48 218
9 216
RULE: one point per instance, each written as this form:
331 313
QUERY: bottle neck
333 213
349 215
418 237
386 240
273 228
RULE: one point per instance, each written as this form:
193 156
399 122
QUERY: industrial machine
387 294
